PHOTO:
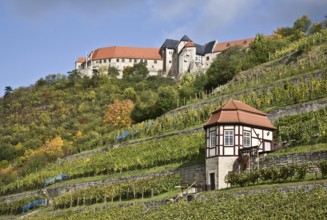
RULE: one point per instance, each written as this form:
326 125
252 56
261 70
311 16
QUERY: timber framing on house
233 130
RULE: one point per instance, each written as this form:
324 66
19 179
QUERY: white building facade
172 59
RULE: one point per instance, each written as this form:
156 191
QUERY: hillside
57 127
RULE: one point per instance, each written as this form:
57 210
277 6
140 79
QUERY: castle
172 59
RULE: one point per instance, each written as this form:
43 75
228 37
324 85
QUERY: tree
118 113
225 66
137 73
8 90
263 46
186 86
316 28
113 72
145 107
74 77
130 93
302 24
167 99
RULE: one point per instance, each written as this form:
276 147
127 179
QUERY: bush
301 171
322 165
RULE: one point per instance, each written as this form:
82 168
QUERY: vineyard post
71 199
134 190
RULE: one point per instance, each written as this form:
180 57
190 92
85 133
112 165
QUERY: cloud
210 18
35 9
200 19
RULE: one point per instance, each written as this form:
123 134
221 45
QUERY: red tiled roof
236 112
189 44
225 45
126 52
81 60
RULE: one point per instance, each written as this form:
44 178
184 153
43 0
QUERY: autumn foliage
118 113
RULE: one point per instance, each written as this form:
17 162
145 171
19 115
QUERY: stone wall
289 159
11 198
191 174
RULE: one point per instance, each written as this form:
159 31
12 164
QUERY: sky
42 37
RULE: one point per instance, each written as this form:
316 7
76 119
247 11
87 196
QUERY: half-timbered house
231 131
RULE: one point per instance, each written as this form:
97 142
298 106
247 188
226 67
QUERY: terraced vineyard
273 205
295 78
145 155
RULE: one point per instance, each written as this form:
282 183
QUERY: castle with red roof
172 59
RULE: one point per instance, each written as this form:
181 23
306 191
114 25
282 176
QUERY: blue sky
41 37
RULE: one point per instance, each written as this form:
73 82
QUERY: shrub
322 165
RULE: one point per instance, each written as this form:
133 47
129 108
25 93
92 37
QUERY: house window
123 60
130 60
208 58
117 60
247 139
135 60
155 61
212 138
229 137
104 61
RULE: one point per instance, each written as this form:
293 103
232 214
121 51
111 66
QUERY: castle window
212 138
229 138
208 58
247 139
169 61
